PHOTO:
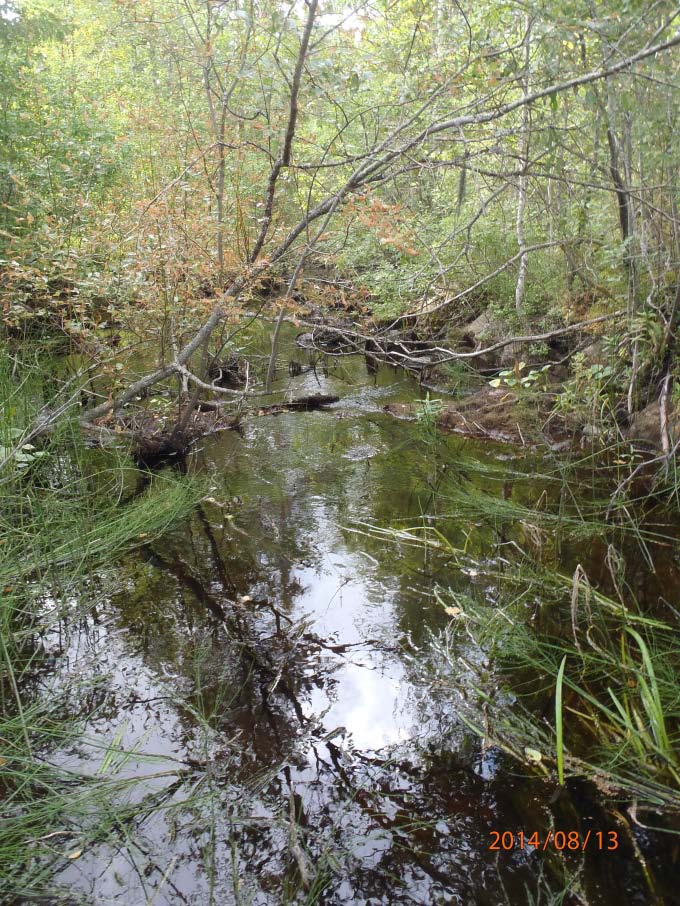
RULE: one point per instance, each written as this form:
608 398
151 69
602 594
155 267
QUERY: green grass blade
559 721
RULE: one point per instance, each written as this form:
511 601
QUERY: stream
263 669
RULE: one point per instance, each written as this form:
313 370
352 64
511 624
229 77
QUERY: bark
622 191
522 183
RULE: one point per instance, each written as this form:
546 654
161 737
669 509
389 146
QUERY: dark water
277 654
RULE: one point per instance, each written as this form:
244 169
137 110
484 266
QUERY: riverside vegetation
339 426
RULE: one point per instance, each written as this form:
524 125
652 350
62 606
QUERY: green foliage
517 379
427 413
590 393
109 169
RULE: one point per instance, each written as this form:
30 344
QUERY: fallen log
302 404
154 445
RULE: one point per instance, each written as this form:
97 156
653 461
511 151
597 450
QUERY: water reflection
262 647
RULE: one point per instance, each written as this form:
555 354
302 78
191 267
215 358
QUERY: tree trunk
520 288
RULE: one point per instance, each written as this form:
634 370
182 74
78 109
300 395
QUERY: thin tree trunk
520 288
220 193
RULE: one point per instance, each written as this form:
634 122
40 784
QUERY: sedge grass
63 513
559 722
520 615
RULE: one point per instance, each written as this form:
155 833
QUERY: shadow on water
271 654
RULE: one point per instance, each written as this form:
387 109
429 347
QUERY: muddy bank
493 414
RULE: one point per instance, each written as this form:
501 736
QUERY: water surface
264 664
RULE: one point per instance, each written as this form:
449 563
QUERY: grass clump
612 673
65 511
567 678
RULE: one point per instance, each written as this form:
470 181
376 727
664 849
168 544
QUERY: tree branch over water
372 166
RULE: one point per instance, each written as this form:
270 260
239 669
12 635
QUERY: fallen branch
533 338
303 404
450 354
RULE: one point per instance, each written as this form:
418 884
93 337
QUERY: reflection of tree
214 606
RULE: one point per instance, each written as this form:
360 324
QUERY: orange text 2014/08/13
558 840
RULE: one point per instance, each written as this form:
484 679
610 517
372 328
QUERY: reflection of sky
342 592
368 706
302 478
346 602
139 710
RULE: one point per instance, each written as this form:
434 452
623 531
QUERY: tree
283 142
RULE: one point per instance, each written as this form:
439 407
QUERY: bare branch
284 158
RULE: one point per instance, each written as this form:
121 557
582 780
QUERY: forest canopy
155 153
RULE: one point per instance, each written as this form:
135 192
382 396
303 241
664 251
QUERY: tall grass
620 696
521 612
65 510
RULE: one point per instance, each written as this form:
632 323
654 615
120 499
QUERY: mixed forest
339 437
